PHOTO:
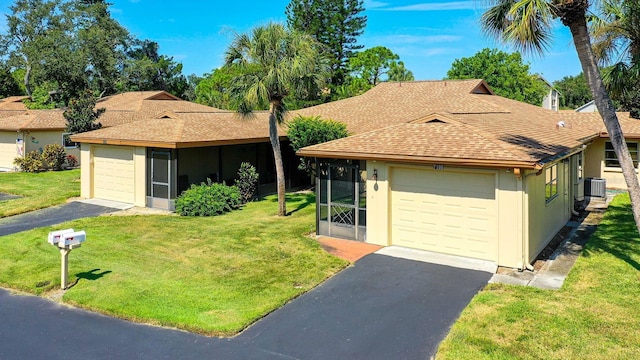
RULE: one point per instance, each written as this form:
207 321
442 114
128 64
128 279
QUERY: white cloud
434 6
373 4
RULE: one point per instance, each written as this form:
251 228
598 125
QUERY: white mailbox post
66 240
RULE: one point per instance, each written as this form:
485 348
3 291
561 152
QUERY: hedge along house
449 167
23 130
150 162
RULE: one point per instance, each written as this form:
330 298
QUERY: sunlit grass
596 314
209 275
37 190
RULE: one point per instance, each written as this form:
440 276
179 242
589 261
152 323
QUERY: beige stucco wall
37 140
595 167
140 165
510 210
87 174
85 171
545 219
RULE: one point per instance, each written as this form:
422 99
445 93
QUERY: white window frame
611 159
551 179
64 144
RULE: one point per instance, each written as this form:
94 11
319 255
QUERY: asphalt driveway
380 308
50 216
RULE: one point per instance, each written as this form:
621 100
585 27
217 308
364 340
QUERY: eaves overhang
427 160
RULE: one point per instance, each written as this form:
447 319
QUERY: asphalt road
380 308
50 216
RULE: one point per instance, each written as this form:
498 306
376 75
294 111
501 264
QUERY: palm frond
524 23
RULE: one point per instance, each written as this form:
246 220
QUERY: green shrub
53 156
208 199
31 162
247 181
306 131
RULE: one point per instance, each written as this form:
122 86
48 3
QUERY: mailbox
72 239
55 236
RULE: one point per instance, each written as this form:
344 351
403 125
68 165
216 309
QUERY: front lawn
37 190
596 314
209 275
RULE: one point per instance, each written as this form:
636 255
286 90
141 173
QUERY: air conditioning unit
595 187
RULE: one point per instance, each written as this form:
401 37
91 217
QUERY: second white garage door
113 174
445 211
7 149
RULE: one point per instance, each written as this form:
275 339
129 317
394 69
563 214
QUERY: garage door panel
113 170
447 212
7 149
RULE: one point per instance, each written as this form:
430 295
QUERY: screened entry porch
341 195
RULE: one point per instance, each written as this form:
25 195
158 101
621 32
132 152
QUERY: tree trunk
277 157
606 109
27 80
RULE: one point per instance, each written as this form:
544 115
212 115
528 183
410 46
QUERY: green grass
596 314
208 275
37 190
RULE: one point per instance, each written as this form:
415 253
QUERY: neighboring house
31 130
600 158
551 99
23 130
588 107
149 162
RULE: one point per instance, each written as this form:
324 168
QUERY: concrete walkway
556 269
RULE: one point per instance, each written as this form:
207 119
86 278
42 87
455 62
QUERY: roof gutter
168 144
563 155
421 159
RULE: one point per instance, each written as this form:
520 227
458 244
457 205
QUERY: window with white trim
551 182
611 159
66 141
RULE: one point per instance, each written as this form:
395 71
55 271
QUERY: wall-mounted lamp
375 175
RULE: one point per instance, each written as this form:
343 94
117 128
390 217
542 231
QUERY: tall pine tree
334 23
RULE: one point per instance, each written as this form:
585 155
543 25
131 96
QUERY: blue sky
427 35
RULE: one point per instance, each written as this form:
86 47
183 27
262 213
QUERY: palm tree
616 42
274 63
527 24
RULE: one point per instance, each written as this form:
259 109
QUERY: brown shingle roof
184 130
13 103
392 103
120 109
475 128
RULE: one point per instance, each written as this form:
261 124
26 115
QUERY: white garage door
7 149
447 212
113 174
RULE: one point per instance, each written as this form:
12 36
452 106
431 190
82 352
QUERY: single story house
449 167
445 166
149 162
23 130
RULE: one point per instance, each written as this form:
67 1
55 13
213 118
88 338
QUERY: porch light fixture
375 175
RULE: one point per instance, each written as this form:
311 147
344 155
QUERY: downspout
574 182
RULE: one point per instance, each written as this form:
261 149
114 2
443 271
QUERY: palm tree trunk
277 157
606 109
